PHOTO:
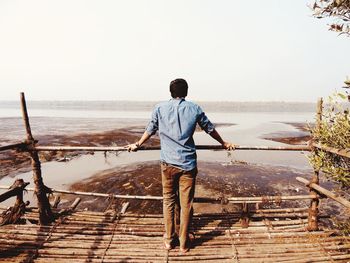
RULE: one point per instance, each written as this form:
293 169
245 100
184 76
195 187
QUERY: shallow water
249 129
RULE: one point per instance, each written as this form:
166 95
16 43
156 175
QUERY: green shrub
333 131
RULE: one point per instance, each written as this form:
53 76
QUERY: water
248 128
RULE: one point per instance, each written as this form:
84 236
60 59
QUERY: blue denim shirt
176 122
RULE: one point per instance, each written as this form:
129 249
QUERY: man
176 122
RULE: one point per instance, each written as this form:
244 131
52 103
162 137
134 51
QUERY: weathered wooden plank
13 146
252 199
79 240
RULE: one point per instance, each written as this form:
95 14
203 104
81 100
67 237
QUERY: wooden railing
41 191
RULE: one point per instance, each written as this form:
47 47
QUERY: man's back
176 121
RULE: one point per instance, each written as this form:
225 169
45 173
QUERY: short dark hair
178 88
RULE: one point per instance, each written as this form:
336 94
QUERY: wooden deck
272 236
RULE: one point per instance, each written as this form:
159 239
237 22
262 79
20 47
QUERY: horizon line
201 101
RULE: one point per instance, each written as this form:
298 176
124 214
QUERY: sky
227 50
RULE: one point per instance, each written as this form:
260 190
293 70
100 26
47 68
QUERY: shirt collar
178 101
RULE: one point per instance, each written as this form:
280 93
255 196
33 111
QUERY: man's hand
132 147
136 146
226 145
229 146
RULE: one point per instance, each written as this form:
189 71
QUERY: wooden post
319 112
14 214
56 201
75 203
45 213
313 210
244 220
16 189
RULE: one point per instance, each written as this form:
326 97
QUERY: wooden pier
278 235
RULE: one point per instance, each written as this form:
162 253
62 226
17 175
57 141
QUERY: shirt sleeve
204 122
152 126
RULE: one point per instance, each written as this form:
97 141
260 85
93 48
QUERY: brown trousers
178 187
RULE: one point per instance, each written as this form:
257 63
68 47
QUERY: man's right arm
151 129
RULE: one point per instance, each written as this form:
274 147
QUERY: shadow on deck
274 235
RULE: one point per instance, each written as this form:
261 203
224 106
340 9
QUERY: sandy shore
301 136
214 179
13 162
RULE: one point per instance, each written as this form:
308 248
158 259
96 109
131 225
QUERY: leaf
341 95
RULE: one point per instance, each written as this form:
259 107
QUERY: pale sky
229 50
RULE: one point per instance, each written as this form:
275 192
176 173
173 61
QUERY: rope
166 259
234 248
278 200
59 221
111 203
267 223
233 245
327 254
63 216
116 219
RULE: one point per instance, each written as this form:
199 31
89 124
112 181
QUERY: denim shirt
176 122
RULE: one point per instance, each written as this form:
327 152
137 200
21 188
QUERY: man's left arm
209 128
